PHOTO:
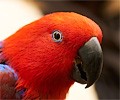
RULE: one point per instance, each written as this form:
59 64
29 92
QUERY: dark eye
57 36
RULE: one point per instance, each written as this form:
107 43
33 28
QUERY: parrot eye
57 36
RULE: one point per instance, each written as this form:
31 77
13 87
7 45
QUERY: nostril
83 73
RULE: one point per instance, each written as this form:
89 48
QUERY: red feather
43 66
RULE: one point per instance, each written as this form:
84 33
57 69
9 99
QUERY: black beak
88 64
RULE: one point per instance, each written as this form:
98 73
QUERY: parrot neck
45 91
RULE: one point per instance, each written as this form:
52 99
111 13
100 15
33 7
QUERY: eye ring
57 36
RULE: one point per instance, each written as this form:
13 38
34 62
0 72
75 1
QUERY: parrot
44 58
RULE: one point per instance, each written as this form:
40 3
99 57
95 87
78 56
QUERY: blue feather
6 68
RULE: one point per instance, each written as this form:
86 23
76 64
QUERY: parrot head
50 54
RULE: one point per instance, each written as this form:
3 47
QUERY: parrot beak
88 63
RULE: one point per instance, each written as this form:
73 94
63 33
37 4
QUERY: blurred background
16 13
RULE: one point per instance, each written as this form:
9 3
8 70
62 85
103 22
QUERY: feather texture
8 79
44 67
7 82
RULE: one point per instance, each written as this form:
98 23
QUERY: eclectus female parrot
44 58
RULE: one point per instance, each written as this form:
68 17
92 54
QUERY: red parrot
44 58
